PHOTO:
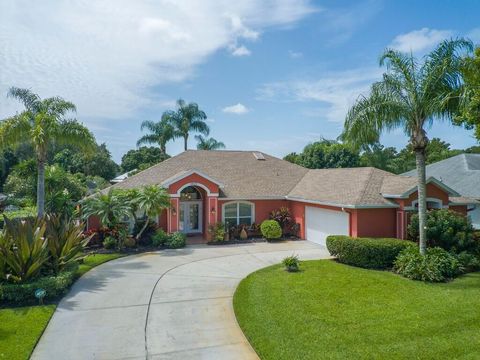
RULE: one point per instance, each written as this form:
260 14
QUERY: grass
334 311
20 328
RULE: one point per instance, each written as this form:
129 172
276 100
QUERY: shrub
446 229
283 217
468 262
24 294
271 229
375 253
436 265
159 238
291 263
65 242
217 231
130 242
109 243
176 240
23 248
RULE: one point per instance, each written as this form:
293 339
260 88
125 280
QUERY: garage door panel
320 223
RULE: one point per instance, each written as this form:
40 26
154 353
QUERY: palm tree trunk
139 235
422 201
41 188
185 139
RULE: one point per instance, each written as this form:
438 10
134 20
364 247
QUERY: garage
319 223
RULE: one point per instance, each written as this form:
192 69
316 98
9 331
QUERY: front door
190 217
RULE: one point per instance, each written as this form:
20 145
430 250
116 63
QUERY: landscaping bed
330 310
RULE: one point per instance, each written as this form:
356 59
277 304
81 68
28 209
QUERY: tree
379 157
110 208
326 154
43 123
293 157
152 200
410 96
95 163
205 143
160 132
142 158
186 119
470 110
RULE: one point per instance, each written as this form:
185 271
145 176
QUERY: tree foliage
205 143
327 154
142 158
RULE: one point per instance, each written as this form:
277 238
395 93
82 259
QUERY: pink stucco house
243 187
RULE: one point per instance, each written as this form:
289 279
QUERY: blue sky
271 75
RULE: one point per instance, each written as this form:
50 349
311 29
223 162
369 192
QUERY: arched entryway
191 210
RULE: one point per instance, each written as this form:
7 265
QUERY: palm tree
161 133
411 96
152 200
188 118
205 143
111 208
42 124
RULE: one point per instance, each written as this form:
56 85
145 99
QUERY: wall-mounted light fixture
174 211
213 211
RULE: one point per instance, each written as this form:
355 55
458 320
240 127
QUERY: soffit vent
258 155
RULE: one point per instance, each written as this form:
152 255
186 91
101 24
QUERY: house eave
339 205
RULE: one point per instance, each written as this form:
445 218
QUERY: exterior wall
374 222
433 191
195 179
262 208
93 222
462 209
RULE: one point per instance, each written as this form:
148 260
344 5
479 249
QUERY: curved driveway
172 304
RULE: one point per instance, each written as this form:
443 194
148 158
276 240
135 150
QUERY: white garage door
320 223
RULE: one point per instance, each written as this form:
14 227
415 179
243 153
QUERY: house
243 187
462 173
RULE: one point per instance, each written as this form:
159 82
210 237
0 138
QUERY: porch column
401 222
173 215
212 208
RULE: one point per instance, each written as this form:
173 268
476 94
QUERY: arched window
190 193
238 213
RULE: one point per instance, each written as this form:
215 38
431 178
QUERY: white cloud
295 54
240 51
419 40
236 109
106 56
335 92
474 35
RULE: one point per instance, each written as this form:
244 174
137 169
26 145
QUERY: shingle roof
243 176
349 187
461 173
241 173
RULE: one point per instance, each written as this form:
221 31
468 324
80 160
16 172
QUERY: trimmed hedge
271 229
24 294
370 253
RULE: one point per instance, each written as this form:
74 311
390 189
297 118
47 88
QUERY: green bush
24 294
374 253
217 231
23 249
291 263
159 238
176 240
446 229
436 265
109 243
271 229
468 262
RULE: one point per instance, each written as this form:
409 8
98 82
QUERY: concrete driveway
173 304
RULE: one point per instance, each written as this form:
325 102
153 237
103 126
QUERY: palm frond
26 96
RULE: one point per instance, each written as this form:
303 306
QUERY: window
190 193
238 213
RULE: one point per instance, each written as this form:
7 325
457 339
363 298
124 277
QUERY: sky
271 75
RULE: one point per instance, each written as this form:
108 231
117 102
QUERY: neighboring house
122 177
243 187
462 173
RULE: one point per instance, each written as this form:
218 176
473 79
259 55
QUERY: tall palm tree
205 143
411 96
161 133
43 123
186 119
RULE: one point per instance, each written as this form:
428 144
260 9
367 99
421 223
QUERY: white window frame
252 206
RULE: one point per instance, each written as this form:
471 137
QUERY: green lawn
334 311
20 328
